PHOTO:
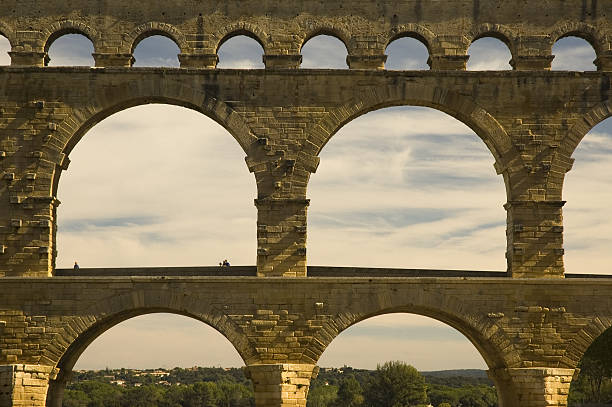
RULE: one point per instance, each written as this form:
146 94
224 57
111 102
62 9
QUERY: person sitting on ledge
76 266
226 263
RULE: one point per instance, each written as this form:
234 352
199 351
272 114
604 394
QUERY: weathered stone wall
531 122
531 333
447 28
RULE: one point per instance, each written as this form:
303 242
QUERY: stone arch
587 32
7 32
578 131
76 125
460 107
316 28
150 29
241 28
480 329
77 333
497 31
578 346
415 31
63 27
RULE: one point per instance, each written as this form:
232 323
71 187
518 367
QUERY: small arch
329 31
63 27
489 53
497 31
69 48
574 52
241 50
156 51
587 32
155 28
324 50
407 51
240 32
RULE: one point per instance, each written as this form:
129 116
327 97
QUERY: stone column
113 59
532 62
366 61
27 58
532 387
281 237
281 385
282 61
535 239
208 61
448 62
604 62
532 53
24 385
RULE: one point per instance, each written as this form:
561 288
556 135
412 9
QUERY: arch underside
177 94
479 331
80 332
462 108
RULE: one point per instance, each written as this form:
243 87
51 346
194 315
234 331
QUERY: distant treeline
393 383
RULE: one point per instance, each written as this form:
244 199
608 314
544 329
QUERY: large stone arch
72 129
563 157
596 325
479 328
78 332
490 131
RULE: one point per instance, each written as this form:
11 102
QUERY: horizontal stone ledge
139 71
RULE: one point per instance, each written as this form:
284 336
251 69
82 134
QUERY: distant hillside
475 373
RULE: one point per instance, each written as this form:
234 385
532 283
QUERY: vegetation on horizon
394 384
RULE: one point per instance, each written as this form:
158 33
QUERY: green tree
350 393
321 396
396 384
444 405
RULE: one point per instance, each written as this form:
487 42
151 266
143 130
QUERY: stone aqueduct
531 325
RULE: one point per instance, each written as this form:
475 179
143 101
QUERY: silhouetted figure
226 263
76 266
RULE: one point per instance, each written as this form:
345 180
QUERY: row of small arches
323 51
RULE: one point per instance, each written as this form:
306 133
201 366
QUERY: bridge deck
313 271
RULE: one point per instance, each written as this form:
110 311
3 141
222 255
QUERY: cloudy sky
177 193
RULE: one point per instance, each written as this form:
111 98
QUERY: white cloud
489 54
71 50
324 51
573 54
240 52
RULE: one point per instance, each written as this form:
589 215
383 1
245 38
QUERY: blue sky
425 195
